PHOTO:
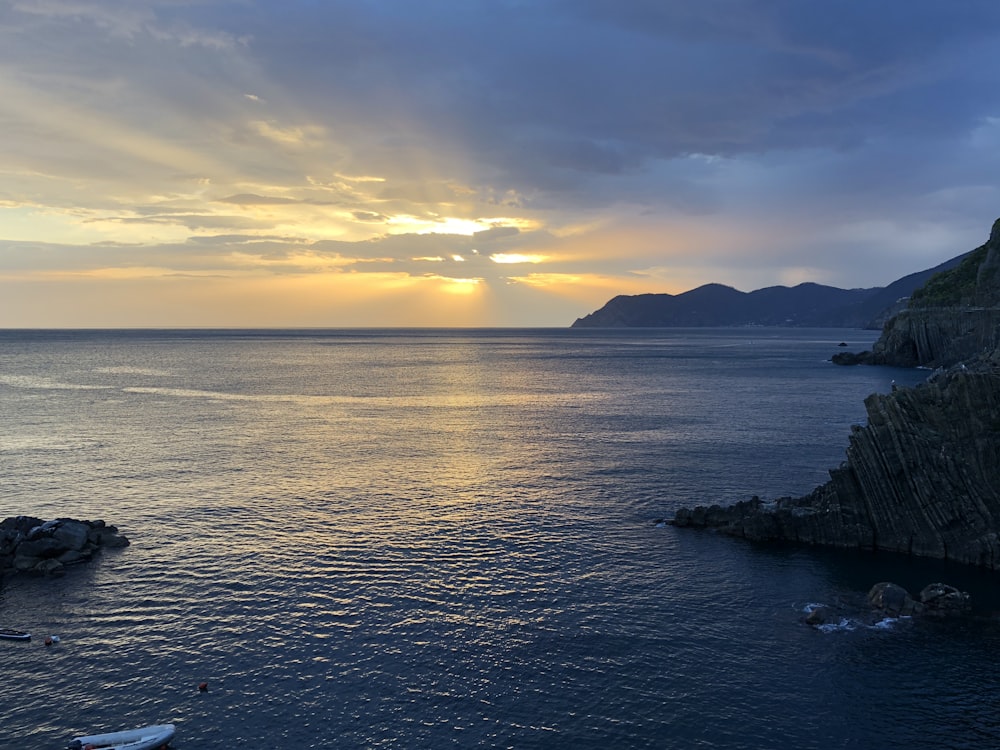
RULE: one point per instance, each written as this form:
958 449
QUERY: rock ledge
921 478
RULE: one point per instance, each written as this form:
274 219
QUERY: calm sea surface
447 538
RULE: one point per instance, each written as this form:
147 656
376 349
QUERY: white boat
144 738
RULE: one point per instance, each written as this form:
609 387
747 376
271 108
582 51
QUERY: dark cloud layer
750 142
598 87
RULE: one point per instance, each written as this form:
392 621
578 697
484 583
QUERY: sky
467 163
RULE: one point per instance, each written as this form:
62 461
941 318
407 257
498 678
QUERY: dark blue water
426 539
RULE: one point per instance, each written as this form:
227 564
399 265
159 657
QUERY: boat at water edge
143 738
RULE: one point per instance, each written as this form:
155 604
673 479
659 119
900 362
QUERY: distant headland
813 305
923 476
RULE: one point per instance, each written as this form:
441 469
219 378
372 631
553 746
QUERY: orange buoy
203 687
48 640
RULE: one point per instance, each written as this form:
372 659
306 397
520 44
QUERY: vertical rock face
923 477
937 337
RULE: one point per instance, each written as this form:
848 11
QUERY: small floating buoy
203 687
50 639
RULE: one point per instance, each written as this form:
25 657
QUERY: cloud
249 199
657 141
495 233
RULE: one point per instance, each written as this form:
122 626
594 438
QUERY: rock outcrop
937 337
31 545
954 317
923 475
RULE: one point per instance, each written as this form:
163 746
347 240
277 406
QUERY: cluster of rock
31 545
923 476
936 599
891 600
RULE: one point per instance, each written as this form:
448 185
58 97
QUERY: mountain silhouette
807 305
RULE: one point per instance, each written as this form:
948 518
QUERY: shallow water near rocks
447 538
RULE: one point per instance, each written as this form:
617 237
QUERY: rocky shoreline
31 545
922 477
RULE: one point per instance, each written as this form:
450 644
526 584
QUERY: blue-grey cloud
626 80
775 136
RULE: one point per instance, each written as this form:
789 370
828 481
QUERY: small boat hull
144 738
8 634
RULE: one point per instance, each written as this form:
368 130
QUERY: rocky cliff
955 316
923 476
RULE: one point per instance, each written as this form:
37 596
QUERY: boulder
72 534
109 537
893 600
48 567
42 547
74 557
820 615
24 563
941 599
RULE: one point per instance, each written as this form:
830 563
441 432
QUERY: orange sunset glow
163 165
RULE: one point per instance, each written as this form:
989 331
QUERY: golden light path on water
447 538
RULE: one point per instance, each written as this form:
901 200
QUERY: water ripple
447 541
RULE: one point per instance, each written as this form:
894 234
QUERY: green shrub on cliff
975 282
954 287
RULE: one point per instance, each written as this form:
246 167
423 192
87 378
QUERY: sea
454 538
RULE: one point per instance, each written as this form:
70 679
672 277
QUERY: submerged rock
30 545
820 615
